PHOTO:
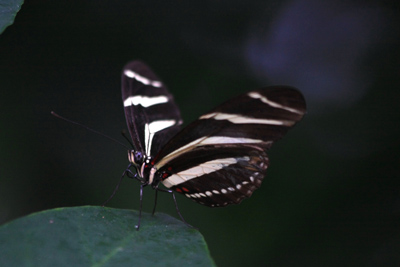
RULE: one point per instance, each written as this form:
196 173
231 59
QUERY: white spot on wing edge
142 79
145 101
273 104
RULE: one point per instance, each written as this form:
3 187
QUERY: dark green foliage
8 11
96 236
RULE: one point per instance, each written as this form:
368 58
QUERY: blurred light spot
319 47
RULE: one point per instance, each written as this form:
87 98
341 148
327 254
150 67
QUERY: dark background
332 193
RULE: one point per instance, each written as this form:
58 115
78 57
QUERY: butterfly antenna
123 133
88 128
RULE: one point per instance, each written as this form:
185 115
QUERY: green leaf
8 11
97 236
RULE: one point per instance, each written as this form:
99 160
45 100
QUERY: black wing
151 113
220 158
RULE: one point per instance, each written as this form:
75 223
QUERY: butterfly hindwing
151 113
218 175
220 158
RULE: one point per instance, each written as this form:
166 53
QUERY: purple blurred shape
319 47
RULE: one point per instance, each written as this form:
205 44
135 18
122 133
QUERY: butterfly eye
138 157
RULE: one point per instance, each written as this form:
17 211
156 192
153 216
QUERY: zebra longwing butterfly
217 160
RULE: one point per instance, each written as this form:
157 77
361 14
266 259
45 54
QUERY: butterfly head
136 157
143 165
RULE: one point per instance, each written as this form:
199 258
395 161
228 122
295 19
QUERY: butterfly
217 160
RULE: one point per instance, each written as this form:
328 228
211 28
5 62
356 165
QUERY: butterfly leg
116 188
176 206
127 173
140 206
155 204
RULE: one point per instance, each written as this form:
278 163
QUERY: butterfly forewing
151 113
220 158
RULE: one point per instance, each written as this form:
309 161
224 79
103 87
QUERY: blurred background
332 193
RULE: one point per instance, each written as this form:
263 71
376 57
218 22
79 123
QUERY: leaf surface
97 236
